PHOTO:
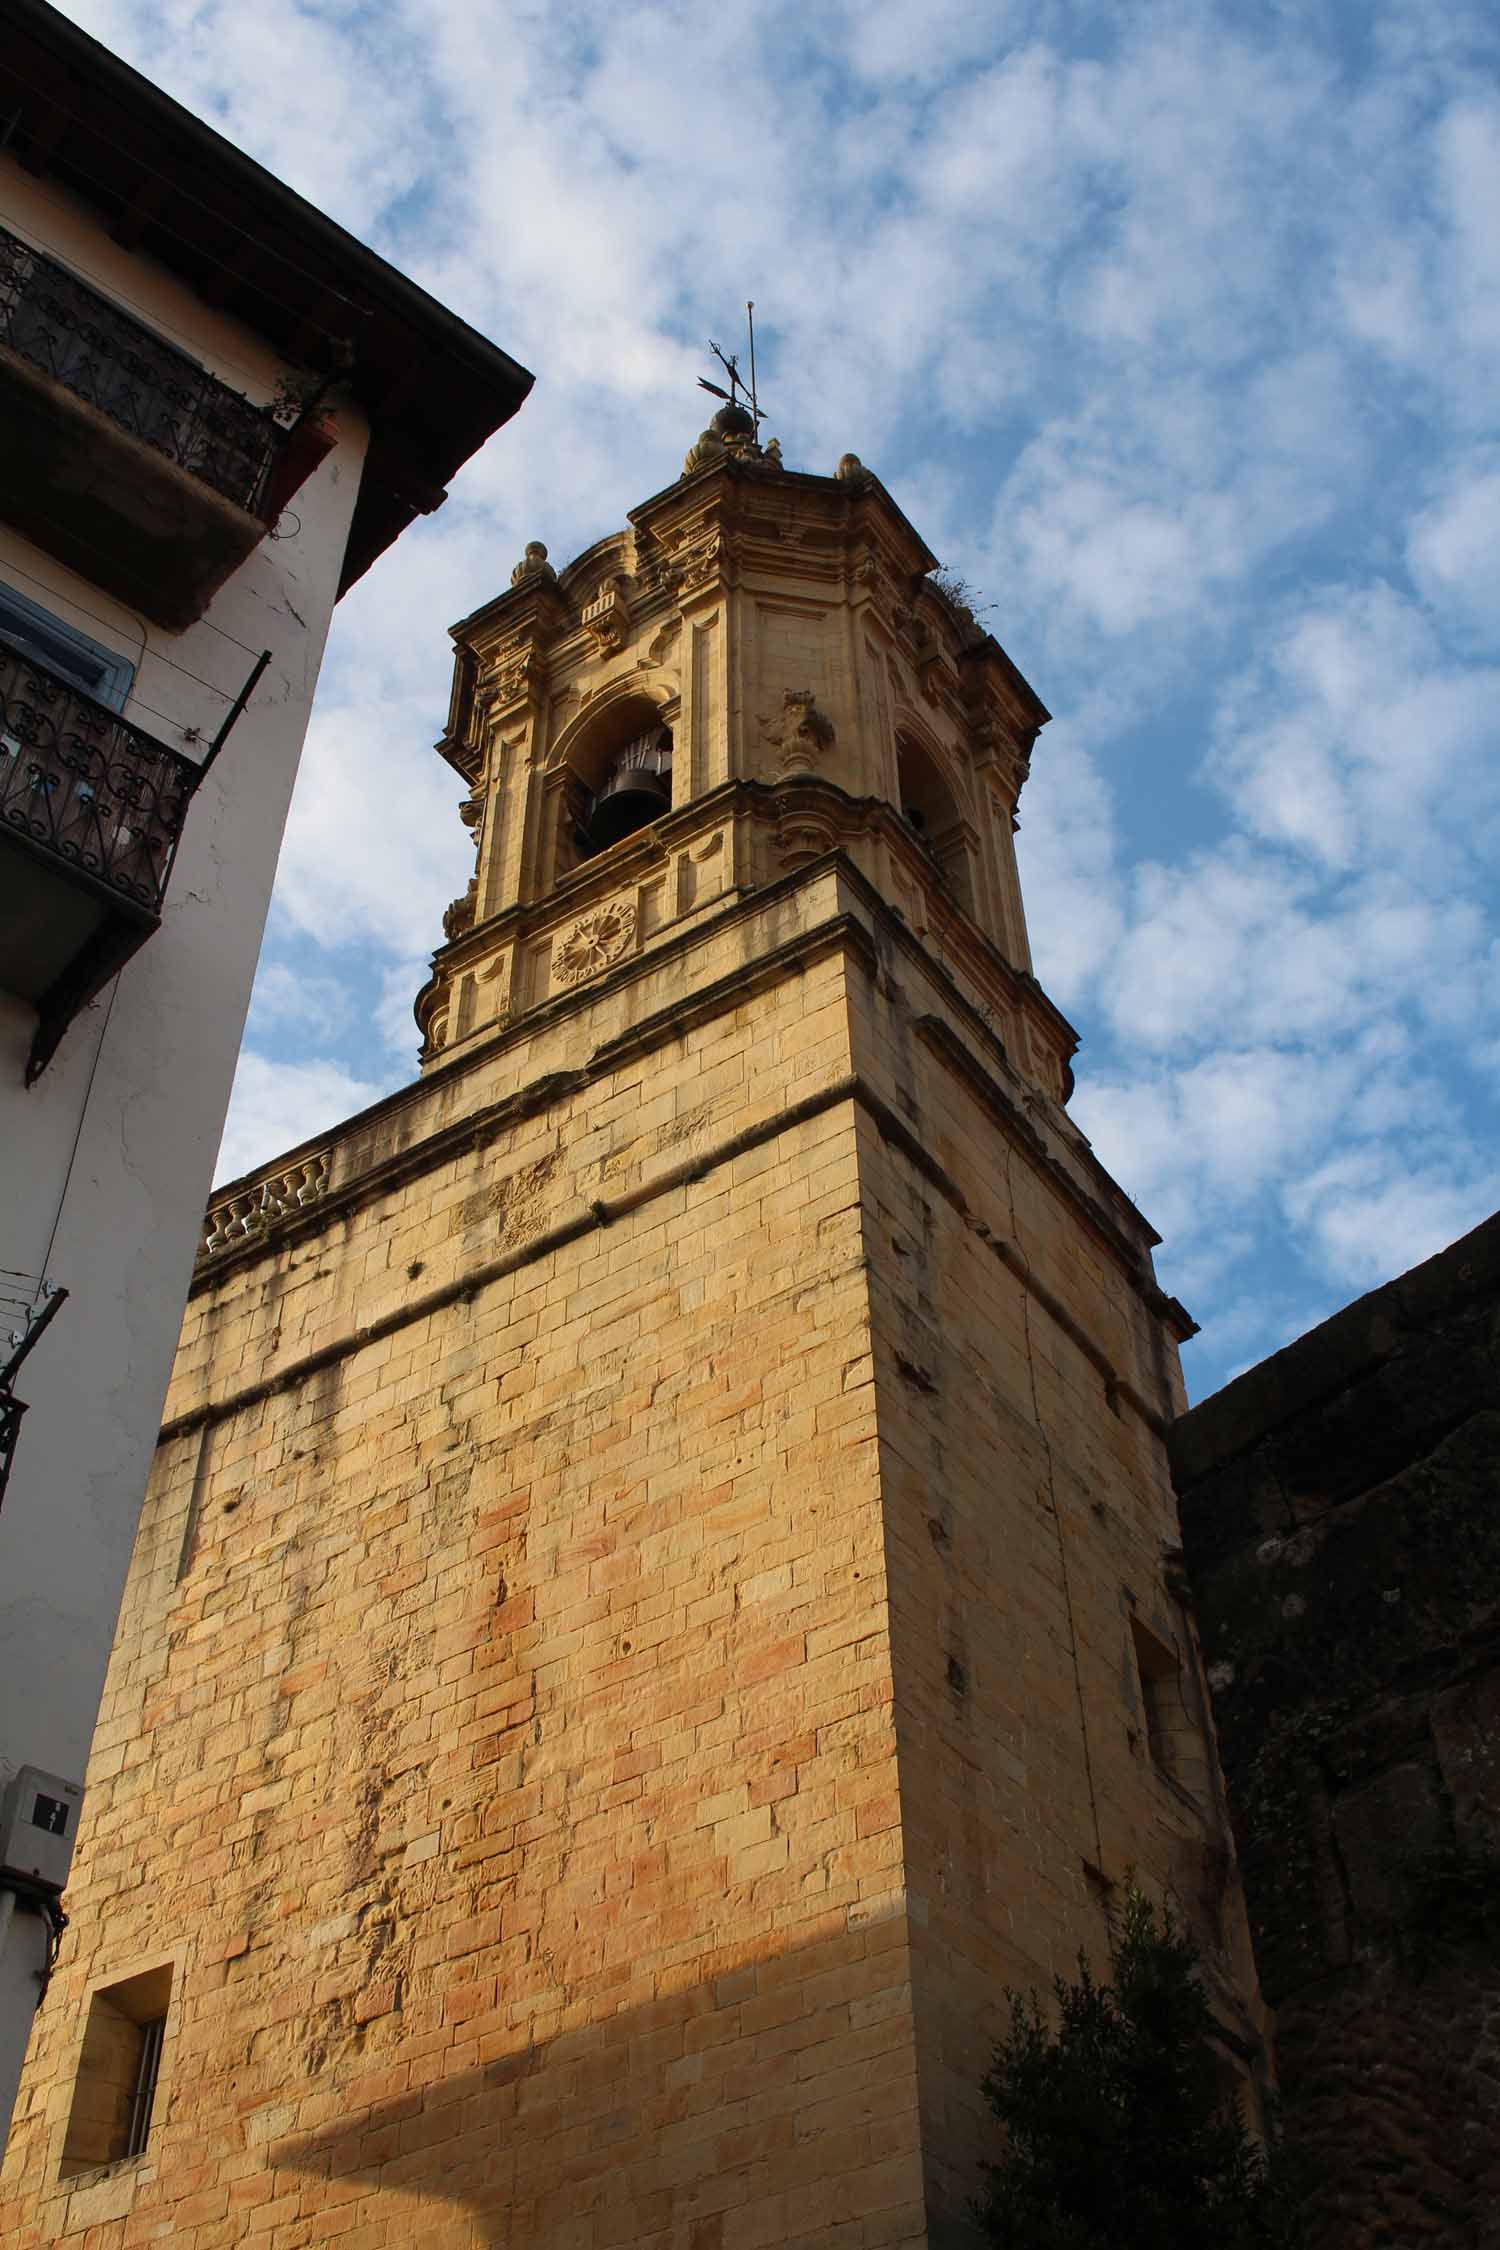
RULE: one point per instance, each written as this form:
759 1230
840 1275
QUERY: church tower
657 1601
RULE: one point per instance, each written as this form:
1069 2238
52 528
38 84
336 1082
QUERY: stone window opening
619 780
1168 1727
119 2065
931 811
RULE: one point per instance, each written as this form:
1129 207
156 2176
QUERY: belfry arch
930 808
612 777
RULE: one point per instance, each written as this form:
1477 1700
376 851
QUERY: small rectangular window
1161 1695
114 2093
99 671
143 2100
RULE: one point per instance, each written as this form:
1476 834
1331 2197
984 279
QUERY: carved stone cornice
704 565
515 670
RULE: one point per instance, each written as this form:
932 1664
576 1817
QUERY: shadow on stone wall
1341 1522
774 2104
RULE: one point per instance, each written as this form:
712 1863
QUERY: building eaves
168 185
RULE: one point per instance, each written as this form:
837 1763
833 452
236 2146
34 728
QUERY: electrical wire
83 1110
84 611
156 655
167 718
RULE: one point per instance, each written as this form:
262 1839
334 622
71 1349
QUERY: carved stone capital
701 565
933 670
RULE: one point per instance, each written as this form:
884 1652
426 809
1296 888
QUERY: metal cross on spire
740 393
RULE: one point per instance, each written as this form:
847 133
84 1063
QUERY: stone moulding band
758 975
483 1125
844 932
599 1213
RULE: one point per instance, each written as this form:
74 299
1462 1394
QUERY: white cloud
1357 738
1453 550
889 40
276 1105
1375 1212
374 848
1174 327
1067 854
399 985
288 999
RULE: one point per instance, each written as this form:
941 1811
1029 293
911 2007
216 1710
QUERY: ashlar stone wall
632 1644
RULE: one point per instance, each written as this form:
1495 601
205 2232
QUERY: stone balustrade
245 1215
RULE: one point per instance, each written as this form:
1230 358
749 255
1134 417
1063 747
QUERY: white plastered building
216 411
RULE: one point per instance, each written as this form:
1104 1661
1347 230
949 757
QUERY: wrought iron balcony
91 814
121 454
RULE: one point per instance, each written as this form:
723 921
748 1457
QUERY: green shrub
1118 2133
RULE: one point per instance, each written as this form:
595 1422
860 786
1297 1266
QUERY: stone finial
850 469
533 564
732 432
773 454
710 447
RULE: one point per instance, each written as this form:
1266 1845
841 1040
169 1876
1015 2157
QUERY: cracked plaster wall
109 1157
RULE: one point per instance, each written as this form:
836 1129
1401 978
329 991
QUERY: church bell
637 791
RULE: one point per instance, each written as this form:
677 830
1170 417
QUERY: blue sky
1175 329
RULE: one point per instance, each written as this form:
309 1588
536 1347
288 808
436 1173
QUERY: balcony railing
85 787
91 814
155 392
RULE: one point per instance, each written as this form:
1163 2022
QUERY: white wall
106 1163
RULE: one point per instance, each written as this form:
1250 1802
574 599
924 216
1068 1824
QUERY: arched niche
612 777
931 810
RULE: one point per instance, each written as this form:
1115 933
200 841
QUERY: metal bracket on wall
21 1342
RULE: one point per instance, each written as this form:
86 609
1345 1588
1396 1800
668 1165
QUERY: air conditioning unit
38 1826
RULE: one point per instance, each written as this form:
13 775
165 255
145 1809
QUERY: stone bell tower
758 672
657 1600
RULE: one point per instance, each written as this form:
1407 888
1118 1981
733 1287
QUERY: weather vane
730 363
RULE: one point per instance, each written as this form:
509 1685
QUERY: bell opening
636 791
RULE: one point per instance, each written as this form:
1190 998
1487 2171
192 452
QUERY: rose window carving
595 941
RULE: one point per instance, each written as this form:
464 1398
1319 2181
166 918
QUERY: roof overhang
168 185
